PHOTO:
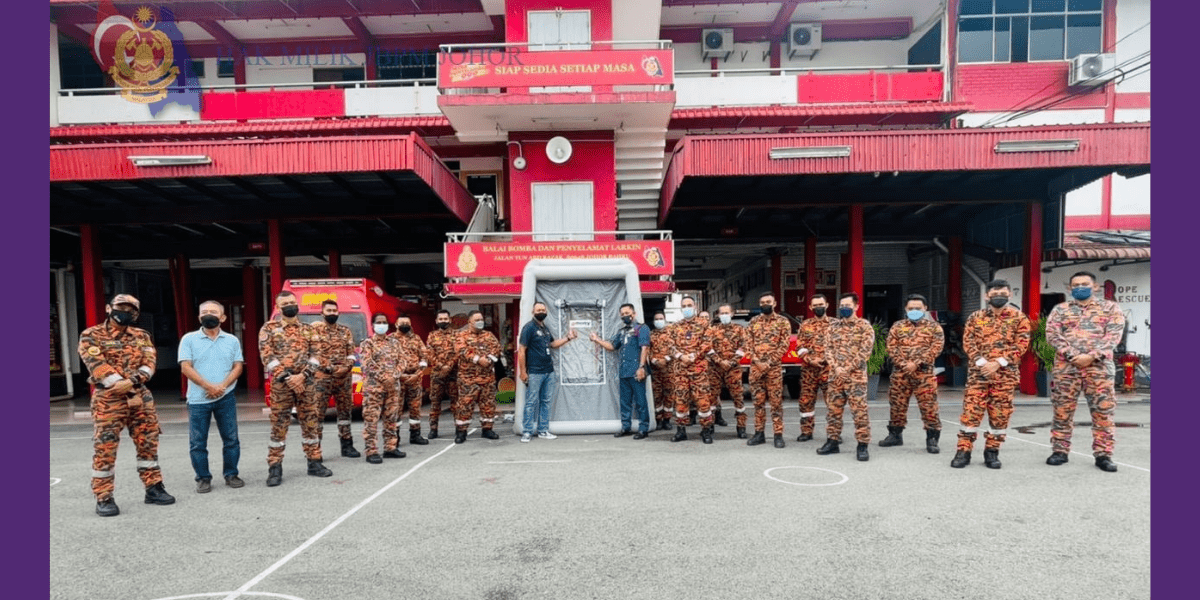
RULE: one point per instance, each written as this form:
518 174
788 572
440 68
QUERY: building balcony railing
814 85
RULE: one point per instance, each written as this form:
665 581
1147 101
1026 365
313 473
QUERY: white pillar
55 78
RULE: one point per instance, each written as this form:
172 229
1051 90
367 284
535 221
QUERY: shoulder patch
94 351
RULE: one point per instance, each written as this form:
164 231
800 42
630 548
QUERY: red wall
593 161
516 25
1002 87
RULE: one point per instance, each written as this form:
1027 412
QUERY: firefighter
335 350
442 376
768 332
688 345
850 341
662 365
729 343
415 358
381 357
914 343
478 351
814 374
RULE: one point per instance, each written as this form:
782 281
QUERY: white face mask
478 324
659 323
725 319
381 328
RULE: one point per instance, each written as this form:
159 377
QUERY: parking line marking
312 540
524 462
1011 436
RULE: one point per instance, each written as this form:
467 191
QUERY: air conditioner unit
716 43
1092 69
804 39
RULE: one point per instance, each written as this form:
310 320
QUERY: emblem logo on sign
652 67
467 263
142 59
653 257
467 72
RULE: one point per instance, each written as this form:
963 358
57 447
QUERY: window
406 64
563 208
553 30
198 68
339 74
225 67
1028 30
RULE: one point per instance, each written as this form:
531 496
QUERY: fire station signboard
508 259
516 67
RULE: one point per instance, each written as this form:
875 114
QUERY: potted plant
877 360
1044 352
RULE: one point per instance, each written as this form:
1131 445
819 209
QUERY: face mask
819 311
331 319
689 312
1081 293
915 315
290 311
767 308
210 322
405 328
845 312
122 317
443 325
381 328
725 319
478 324
627 320
539 316
659 323
998 301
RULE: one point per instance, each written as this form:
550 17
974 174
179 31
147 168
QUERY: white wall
736 91
1045 117
1131 196
55 76
1133 35
1087 200
1132 115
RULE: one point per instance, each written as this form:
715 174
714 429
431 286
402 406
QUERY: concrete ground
595 517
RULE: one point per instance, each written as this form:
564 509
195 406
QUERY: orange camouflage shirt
441 347
850 343
729 342
813 336
111 355
415 353
1095 328
689 337
333 346
660 345
381 359
471 344
988 335
287 348
919 342
768 338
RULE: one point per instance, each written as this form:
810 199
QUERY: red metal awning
427 126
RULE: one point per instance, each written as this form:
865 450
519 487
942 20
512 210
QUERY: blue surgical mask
689 312
725 319
845 312
381 328
915 315
1081 293
659 323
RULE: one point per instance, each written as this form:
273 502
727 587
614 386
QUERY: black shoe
804 437
460 436
961 459
1105 463
706 435
488 434
155 494
756 439
316 469
741 433
719 420
894 437
414 437
374 459
397 453
862 453
204 486
1057 458
641 435
432 433
680 434
830 447
931 440
274 475
107 508
991 459
779 440
348 448
666 425
234 481
622 433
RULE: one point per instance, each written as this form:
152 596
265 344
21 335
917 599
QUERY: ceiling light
1037 146
170 161
811 152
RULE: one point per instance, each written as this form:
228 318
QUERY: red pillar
379 274
954 276
810 273
1031 286
93 275
776 51
275 245
854 254
335 263
777 277
251 323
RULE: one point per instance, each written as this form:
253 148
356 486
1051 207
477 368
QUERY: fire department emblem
467 72
653 257
467 263
651 66
137 56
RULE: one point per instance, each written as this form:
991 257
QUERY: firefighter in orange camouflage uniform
660 361
914 343
814 374
415 357
1084 331
442 376
287 348
994 339
120 360
768 333
729 343
478 350
850 341
688 344
335 350
381 356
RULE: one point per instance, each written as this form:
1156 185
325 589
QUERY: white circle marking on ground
845 478
54 480
217 594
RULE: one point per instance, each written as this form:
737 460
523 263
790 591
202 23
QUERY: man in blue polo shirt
212 361
633 341
537 373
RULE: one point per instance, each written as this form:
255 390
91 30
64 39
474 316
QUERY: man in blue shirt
633 341
537 373
212 361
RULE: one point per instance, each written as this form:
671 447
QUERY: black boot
862 454
488 434
1057 458
756 439
155 494
374 459
741 433
1105 463
706 434
680 434
962 458
692 418
991 458
779 440
316 469
432 433
894 437
804 437
830 447
460 436
414 437
107 507
274 474
348 448
720 421
397 453
931 440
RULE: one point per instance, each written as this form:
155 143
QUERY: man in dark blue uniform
633 342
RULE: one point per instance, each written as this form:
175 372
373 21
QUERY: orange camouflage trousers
921 383
850 390
660 383
1096 383
441 387
689 389
472 392
730 379
110 416
339 388
766 384
993 396
380 399
812 380
411 395
310 412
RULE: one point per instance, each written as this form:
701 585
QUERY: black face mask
404 328
331 319
627 320
998 301
819 311
123 317
443 325
767 309
539 316
290 311
210 322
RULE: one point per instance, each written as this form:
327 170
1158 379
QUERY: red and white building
727 147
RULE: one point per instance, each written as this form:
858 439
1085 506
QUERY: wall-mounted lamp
810 152
519 162
1006 146
170 161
